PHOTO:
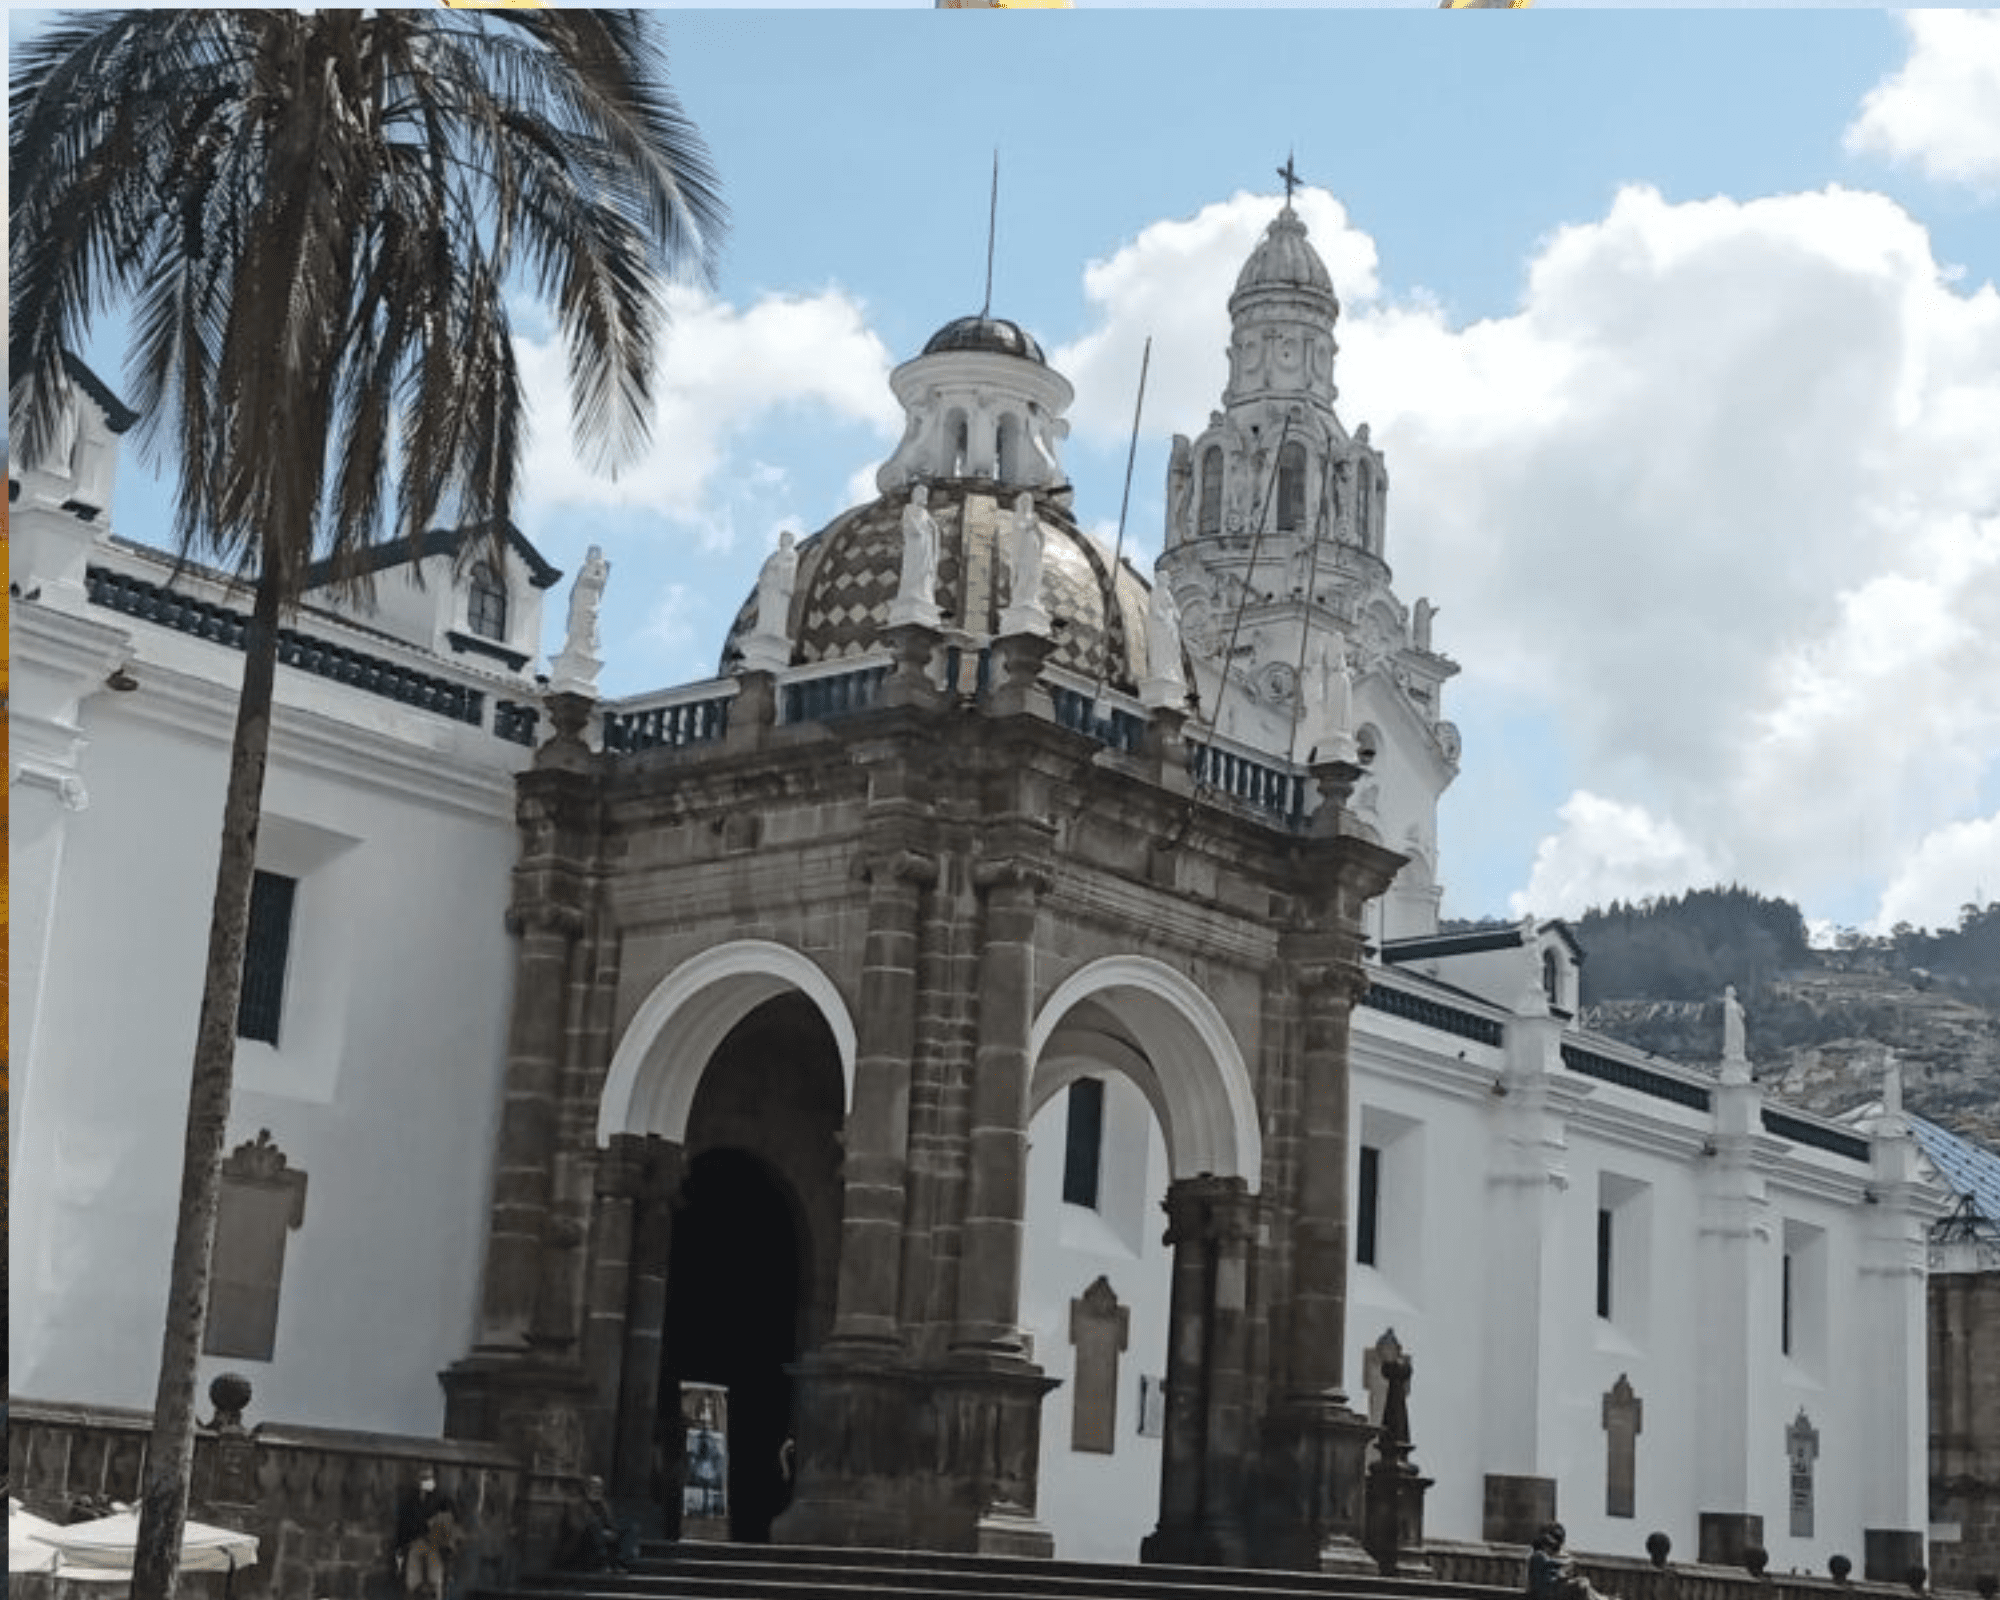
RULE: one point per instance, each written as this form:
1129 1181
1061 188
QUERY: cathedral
989 1057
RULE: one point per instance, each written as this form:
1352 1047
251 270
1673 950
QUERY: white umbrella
28 1547
102 1550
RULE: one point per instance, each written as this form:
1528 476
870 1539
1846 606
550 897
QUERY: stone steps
768 1572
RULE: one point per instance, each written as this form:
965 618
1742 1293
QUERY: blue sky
1678 328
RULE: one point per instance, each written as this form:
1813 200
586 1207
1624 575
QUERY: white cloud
1957 865
1718 497
723 370
1609 850
1941 110
1172 283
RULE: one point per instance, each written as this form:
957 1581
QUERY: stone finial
229 1393
1892 1093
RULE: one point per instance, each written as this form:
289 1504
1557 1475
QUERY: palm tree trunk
170 1456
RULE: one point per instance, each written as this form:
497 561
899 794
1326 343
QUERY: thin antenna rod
992 226
1124 505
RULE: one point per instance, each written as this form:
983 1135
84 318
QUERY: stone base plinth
906 1457
1725 1535
1516 1508
1395 1520
1889 1555
1311 1494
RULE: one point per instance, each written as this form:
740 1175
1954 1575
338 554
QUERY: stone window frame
262 1202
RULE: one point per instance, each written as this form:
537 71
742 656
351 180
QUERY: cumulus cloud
1718 496
1956 866
1172 282
1610 850
1941 110
723 370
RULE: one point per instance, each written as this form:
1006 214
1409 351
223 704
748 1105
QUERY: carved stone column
878 1127
989 1278
1211 1226
854 1395
655 1167
1315 1444
528 1121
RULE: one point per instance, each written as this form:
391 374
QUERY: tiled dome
996 334
849 572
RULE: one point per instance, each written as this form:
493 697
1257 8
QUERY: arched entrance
1140 1098
755 1239
732 1319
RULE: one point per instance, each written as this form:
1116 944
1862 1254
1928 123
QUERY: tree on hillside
316 217
1688 946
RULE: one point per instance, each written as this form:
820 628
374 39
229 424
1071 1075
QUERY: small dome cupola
1281 318
981 404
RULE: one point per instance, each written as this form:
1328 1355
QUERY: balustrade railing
1277 791
132 596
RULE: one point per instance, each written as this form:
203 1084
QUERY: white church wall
1429 1102
1099 1506
380 1087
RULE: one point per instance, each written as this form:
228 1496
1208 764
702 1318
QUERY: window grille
265 951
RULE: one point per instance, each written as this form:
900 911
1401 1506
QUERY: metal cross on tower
1292 179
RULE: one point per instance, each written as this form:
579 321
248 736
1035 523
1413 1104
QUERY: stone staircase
785 1572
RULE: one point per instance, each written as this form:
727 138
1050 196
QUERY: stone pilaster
989 1279
878 1125
1211 1227
653 1171
528 1122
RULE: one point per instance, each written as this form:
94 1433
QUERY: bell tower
1274 547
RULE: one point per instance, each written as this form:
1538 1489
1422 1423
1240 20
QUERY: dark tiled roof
440 542
117 414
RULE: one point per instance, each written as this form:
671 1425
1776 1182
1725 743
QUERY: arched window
959 434
1209 518
486 605
1008 449
1552 977
1292 488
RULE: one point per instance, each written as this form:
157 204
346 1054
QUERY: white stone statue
1326 701
916 593
769 646
1180 489
775 581
1166 682
575 670
1420 624
1025 612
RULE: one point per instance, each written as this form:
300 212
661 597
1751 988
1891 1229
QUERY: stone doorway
756 1235
733 1299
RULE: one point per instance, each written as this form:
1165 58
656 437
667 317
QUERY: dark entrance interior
756 1239
732 1319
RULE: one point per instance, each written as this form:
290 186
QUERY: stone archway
1145 1033
730 1088
678 1027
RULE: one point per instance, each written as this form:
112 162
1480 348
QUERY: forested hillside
1822 1022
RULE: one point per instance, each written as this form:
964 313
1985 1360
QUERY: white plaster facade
397 823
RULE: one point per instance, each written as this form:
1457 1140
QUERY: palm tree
316 218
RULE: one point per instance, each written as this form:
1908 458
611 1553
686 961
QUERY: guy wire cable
1214 719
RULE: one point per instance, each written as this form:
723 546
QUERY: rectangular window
1083 1148
1785 1304
1604 1262
1367 1205
265 951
